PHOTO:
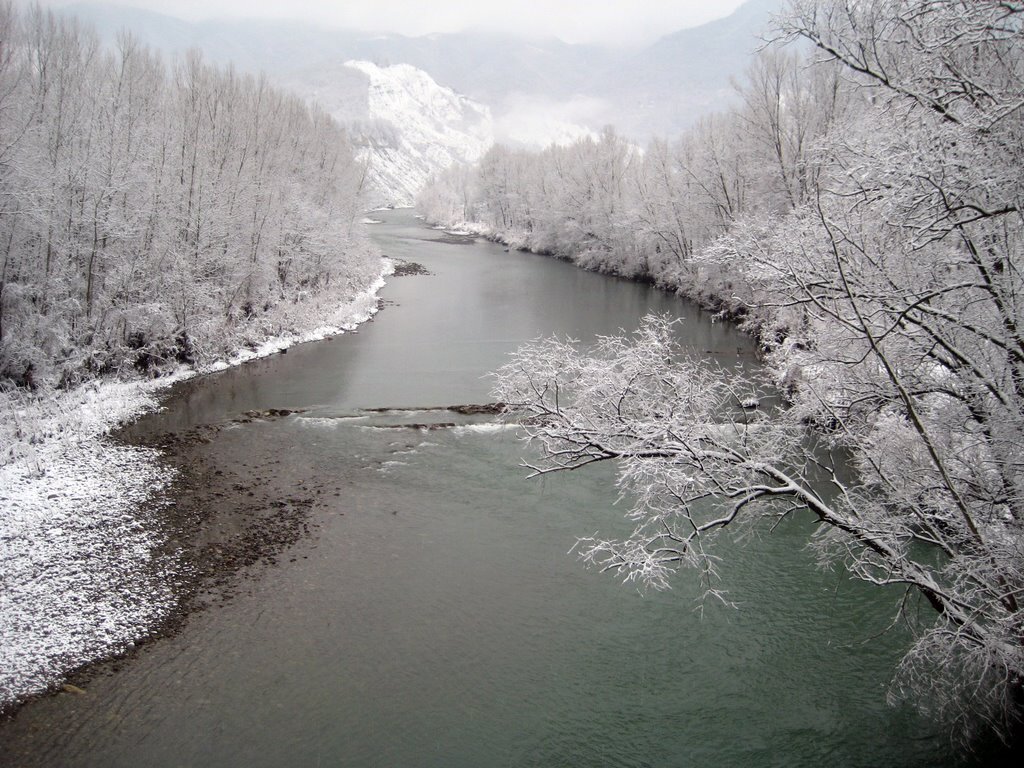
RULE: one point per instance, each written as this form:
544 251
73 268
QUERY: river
431 616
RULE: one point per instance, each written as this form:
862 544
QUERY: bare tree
149 213
897 273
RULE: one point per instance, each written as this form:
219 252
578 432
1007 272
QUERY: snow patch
80 573
83 574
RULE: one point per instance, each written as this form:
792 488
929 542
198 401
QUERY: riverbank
93 558
707 284
433 596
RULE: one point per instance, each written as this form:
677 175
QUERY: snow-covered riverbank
84 571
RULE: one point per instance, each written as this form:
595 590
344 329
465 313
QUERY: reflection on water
435 618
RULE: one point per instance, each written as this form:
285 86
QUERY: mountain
417 128
405 125
683 76
526 92
251 45
659 89
686 75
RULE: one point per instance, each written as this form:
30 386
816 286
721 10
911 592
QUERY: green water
434 617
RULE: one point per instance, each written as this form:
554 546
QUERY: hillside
417 104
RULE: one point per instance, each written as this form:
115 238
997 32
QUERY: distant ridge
414 105
685 75
659 89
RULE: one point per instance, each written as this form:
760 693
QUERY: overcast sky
605 21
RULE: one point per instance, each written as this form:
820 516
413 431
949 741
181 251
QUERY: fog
616 22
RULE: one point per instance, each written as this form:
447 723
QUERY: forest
157 212
859 211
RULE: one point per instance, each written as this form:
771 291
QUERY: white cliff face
416 128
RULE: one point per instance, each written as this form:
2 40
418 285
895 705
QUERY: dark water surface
434 617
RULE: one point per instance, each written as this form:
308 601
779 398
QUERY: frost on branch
691 458
860 211
694 462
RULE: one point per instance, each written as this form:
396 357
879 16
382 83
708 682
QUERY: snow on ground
359 310
79 574
82 575
464 229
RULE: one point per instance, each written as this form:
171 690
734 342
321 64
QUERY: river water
432 616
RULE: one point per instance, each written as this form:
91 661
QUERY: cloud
536 121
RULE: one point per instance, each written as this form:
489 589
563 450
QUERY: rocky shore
107 541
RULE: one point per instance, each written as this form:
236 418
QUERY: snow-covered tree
151 212
887 246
